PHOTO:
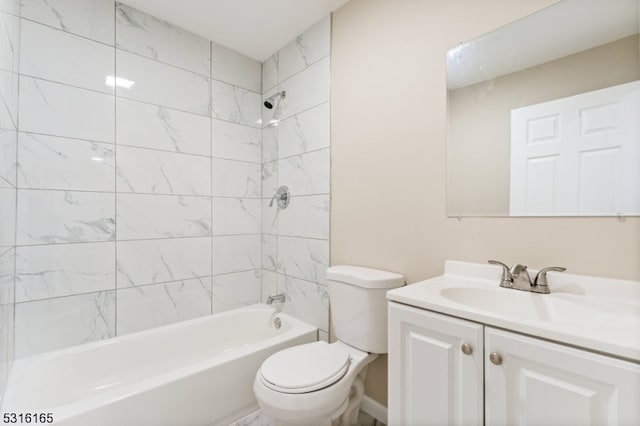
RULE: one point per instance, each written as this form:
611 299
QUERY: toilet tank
359 305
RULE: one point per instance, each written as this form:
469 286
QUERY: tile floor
259 419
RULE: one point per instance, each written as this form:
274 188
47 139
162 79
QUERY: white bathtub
197 372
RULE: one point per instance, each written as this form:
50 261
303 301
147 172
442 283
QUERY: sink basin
518 304
601 314
559 308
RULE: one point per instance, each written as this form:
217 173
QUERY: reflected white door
578 155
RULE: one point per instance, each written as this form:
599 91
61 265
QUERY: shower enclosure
137 163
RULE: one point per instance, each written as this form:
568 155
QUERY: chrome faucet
277 298
517 277
520 278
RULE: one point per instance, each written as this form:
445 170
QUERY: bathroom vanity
463 350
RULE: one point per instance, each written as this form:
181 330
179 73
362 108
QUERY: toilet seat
305 368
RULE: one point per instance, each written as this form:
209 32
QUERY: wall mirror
543 115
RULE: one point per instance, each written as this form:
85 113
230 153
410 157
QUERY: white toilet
321 383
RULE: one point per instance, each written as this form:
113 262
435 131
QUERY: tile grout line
300 237
262 162
72 140
127 287
211 142
168 64
261 190
306 67
66 32
151 194
129 240
330 163
304 195
15 221
114 94
277 218
295 114
114 45
73 86
89 191
313 151
115 175
131 287
235 86
127 98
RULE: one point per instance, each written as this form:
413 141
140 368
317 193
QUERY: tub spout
277 298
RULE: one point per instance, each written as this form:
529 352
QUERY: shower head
271 100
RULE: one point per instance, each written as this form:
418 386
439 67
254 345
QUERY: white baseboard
374 409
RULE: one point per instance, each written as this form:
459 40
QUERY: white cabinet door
431 381
543 383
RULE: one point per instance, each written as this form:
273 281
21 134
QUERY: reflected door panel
577 155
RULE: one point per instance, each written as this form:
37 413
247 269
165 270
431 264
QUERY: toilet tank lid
364 277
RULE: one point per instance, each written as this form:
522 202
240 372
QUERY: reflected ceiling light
113 81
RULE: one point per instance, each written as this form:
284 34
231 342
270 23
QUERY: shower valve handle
283 196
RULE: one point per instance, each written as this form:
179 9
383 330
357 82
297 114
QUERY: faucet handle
541 277
282 196
506 280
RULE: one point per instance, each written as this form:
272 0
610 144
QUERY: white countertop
600 314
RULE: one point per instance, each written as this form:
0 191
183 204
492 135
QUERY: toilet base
346 415
350 415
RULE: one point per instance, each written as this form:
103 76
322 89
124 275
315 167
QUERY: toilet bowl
313 383
322 383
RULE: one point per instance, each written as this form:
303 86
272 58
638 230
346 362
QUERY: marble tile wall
296 153
138 174
9 78
134 192
236 85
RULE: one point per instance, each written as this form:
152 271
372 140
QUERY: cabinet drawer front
433 380
544 383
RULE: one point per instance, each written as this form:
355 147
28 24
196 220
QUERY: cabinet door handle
495 358
466 349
